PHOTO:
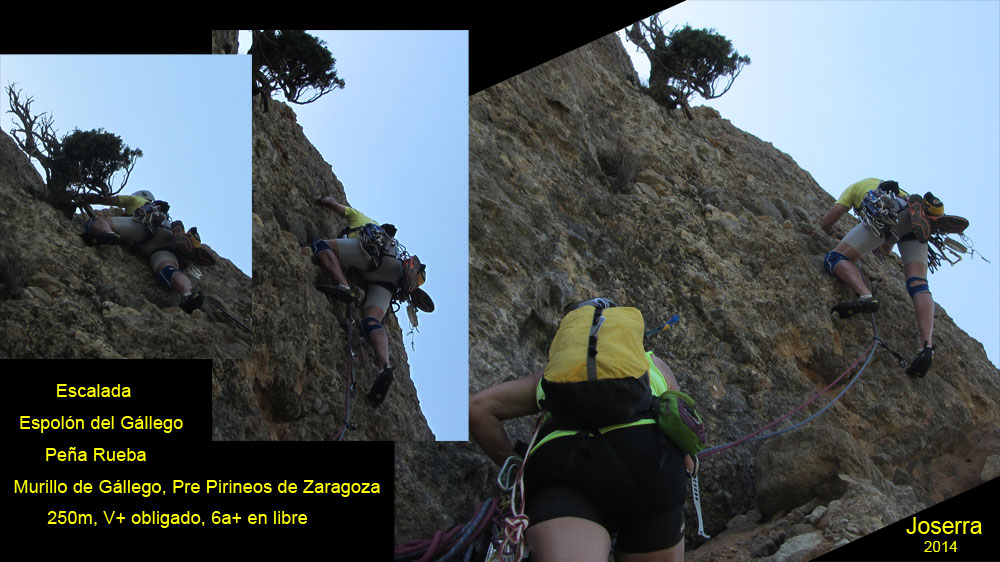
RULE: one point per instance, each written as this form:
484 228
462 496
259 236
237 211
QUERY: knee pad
833 257
915 287
165 274
319 245
369 324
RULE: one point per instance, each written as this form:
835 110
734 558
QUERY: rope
749 436
218 306
753 435
511 547
346 424
457 538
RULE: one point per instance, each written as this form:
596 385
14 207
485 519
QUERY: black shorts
629 480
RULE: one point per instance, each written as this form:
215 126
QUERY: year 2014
940 546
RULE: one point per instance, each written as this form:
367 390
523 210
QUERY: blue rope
792 427
824 408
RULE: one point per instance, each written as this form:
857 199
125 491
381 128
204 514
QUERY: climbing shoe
948 224
381 387
921 362
192 301
850 308
933 205
342 293
918 218
101 238
422 300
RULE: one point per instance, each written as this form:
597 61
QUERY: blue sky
397 138
190 115
894 90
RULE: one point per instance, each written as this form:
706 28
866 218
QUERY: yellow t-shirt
355 219
131 202
855 193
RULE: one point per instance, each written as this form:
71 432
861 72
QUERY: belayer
889 216
603 462
149 229
387 270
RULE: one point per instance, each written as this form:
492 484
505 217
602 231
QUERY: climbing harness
878 211
375 243
152 215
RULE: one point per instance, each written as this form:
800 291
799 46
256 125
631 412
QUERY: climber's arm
332 204
829 222
94 198
488 408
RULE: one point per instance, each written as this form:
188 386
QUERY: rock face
225 42
62 299
580 185
294 385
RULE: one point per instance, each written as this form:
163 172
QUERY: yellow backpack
597 374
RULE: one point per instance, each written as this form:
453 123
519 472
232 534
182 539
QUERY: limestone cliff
580 185
62 299
293 387
225 42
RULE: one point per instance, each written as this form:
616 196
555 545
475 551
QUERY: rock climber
889 217
583 486
152 236
371 249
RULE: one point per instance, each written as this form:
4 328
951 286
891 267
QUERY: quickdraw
878 212
375 243
152 215
946 243
219 306
696 496
663 327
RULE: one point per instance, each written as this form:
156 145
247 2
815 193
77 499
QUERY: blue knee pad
165 274
319 245
369 324
915 289
833 257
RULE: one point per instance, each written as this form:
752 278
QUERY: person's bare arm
488 408
667 373
829 222
95 199
332 204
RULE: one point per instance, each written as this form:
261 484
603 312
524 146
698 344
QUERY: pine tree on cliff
81 162
294 62
685 62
